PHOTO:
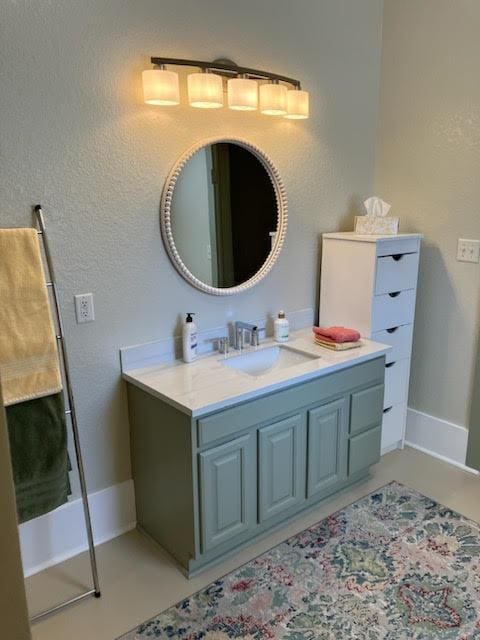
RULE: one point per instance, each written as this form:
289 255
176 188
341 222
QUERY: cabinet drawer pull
390 364
387 409
392 329
398 256
394 294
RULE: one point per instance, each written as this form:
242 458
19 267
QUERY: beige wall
13 605
76 136
428 167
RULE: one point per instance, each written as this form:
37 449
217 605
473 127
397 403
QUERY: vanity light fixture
297 104
242 94
273 98
205 90
275 95
160 87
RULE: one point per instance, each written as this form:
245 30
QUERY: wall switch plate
84 308
468 250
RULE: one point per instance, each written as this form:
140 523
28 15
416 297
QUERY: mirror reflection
224 214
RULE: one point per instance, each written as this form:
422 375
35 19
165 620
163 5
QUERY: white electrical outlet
84 308
468 250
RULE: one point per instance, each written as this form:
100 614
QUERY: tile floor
138 580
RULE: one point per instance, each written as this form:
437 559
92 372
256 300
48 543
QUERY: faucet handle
222 342
255 335
223 345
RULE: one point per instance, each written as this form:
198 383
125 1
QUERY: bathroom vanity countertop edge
206 385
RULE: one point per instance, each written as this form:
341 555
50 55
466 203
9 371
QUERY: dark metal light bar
227 67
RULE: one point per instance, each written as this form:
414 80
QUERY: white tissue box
376 225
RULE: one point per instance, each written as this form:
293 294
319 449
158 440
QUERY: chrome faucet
240 328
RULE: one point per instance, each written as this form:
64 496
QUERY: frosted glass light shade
160 87
242 94
297 104
205 90
273 99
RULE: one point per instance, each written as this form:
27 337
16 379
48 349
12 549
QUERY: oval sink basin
259 362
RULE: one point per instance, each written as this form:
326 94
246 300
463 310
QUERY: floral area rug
393 565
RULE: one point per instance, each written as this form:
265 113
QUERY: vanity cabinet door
281 466
327 447
227 491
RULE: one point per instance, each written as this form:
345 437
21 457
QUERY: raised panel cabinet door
281 466
327 446
227 491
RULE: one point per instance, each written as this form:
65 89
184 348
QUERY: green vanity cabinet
281 466
210 484
327 447
227 481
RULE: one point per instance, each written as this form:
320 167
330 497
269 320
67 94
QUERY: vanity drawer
396 272
393 309
396 382
364 450
392 246
399 338
393 425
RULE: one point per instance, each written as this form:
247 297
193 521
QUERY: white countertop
206 385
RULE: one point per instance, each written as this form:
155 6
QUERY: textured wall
428 166
76 136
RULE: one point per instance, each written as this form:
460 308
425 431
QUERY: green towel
38 443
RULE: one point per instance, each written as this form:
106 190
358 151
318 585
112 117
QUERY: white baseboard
60 534
439 438
391 447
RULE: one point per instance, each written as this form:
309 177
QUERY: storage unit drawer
393 309
393 425
399 338
366 408
396 272
364 450
396 381
391 246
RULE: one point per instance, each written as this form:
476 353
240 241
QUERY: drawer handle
397 257
387 409
389 364
394 294
392 329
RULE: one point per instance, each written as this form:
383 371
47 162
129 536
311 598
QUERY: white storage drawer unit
399 338
392 309
369 283
396 272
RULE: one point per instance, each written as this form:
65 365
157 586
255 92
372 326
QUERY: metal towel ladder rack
95 591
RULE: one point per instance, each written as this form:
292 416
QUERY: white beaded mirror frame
166 223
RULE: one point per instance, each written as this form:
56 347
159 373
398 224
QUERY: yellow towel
29 365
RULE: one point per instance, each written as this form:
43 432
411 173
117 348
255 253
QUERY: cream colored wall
428 167
76 136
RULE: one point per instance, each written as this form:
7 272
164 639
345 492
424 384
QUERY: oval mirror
224 216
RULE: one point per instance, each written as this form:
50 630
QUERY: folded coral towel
29 366
336 346
337 334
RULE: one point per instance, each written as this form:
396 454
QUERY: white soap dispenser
189 339
281 328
